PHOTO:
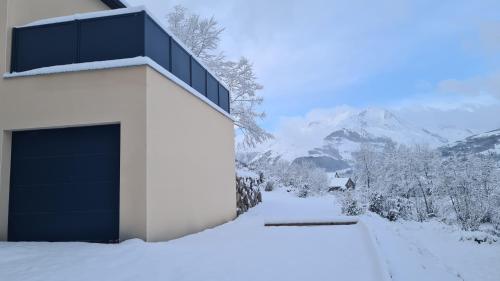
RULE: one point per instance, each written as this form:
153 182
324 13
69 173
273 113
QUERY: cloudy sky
428 60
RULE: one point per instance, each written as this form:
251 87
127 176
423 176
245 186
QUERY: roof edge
119 63
114 4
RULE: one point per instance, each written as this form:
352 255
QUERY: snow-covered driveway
240 250
433 251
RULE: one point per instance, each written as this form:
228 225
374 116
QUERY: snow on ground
240 250
246 173
433 251
246 250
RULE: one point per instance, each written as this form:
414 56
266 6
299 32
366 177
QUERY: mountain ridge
484 143
328 140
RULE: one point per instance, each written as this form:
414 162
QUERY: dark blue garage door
65 184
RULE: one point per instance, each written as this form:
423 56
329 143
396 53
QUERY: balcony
111 37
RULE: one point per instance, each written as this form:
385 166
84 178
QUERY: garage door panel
65 184
64 226
63 169
68 141
66 197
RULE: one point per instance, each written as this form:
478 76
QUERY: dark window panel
110 38
212 89
224 98
47 45
157 43
198 77
180 62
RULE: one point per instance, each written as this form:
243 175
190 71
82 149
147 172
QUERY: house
109 128
335 182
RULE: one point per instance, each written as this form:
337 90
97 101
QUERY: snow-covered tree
302 178
366 166
202 37
418 182
351 205
470 183
422 164
307 179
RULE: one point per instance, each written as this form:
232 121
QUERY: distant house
335 182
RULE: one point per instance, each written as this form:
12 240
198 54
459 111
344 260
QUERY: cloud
302 47
322 53
490 36
488 84
433 111
471 116
488 44
455 121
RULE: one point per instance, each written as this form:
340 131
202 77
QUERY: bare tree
366 165
307 179
407 181
470 182
202 37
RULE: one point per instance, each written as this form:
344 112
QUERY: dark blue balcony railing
109 38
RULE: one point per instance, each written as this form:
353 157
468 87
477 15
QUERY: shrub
302 193
351 206
478 237
376 203
269 186
391 208
247 194
398 207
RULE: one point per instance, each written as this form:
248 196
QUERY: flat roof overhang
114 4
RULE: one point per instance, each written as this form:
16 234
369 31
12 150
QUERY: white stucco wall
177 173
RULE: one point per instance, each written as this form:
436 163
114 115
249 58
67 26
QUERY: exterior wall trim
137 61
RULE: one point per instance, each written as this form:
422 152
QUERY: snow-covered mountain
328 138
488 142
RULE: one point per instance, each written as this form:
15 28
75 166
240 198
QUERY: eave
114 4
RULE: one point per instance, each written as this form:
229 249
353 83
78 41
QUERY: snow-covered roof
117 64
339 182
91 15
336 182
